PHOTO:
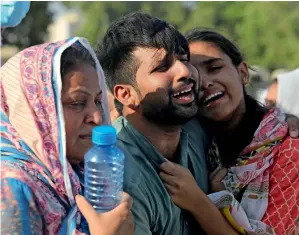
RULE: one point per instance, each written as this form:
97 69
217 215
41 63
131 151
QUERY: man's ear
126 95
244 73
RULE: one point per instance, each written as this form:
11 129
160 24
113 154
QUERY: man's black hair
137 29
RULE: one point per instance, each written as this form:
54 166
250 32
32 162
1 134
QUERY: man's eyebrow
168 58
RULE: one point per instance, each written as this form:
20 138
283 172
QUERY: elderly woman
52 95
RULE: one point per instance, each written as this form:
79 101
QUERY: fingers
168 167
170 189
123 209
293 123
127 198
127 228
169 179
86 209
173 168
131 222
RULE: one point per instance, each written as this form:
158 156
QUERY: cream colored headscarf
32 119
288 92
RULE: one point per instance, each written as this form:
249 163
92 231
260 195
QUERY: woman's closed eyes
212 69
80 105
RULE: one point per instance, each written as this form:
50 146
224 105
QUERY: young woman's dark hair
230 49
255 111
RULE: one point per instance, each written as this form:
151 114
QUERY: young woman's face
221 82
81 99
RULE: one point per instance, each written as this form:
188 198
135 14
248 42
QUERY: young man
146 62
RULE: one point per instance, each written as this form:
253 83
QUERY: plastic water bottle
104 170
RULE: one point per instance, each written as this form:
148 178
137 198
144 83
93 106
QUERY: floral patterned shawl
38 184
267 171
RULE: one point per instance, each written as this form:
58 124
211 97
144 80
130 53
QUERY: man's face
167 87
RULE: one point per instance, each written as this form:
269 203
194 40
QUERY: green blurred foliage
266 32
33 28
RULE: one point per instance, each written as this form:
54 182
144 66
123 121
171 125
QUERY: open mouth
185 95
212 98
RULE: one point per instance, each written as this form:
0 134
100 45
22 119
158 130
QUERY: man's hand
118 221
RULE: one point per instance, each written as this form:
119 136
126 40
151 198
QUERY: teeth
213 95
182 92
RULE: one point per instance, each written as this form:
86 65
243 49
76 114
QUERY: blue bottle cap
104 135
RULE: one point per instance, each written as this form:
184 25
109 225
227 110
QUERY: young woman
252 158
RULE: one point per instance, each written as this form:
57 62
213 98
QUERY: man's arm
141 209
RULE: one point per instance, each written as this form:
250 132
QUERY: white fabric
224 199
102 82
288 92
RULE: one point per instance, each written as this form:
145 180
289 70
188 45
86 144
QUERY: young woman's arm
185 193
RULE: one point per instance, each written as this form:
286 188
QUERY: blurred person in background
13 12
284 92
258 83
253 161
52 95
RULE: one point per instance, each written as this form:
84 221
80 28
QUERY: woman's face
221 93
81 99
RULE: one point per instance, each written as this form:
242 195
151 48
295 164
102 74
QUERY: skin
118 221
113 111
81 99
151 108
154 112
218 73
185 193
271 97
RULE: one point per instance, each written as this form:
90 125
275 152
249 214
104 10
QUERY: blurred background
266 32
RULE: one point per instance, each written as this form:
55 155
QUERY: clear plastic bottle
104 170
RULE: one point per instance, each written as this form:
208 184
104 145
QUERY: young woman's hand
180 185
118 221
215 180
293 123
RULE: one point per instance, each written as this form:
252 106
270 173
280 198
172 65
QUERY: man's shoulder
126 142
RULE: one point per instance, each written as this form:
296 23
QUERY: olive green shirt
153 210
